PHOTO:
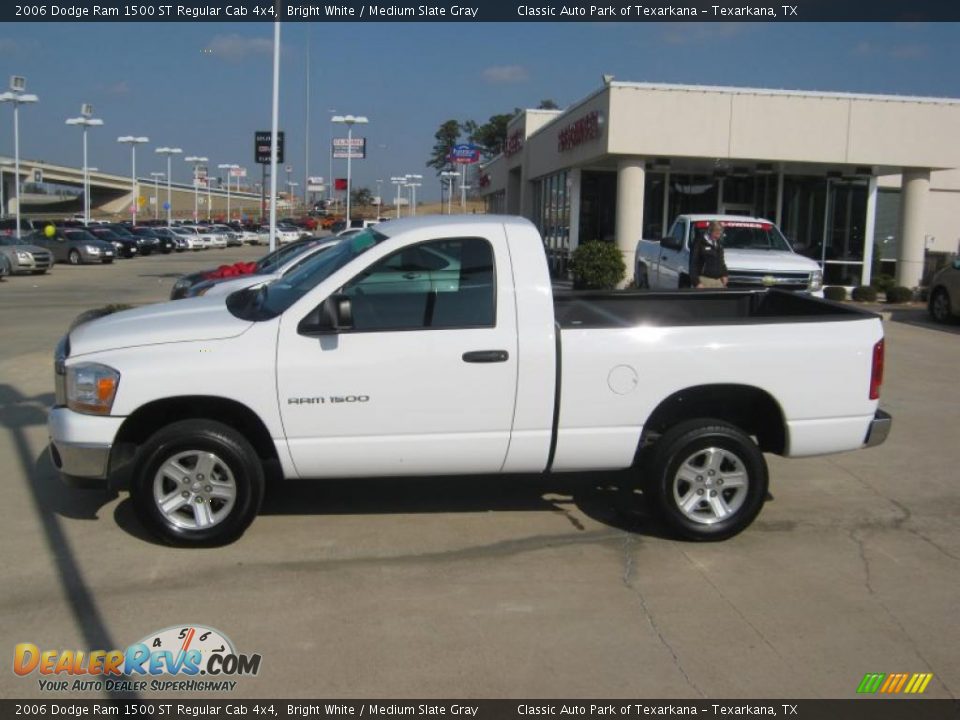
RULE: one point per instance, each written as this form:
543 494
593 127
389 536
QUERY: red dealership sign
340 184
580 131
514 143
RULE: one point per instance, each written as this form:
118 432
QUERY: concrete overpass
61 194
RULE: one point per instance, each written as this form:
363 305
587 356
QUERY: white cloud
701 33
12 46
118 88
501 74
234 48
908 51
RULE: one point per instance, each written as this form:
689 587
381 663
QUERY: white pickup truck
436 346
756 252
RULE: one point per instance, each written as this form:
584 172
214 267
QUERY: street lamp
229 168
169 152
196 162
449 175
156 193
85 120
133 142
330 179
349 121
399 182
16 95
379 199
413 191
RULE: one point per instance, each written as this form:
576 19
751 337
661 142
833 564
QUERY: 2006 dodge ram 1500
436 346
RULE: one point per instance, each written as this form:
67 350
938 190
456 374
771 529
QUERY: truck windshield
753 236
265 302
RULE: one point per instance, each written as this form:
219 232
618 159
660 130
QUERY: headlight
93 249
180 284
24 256
91 388
816 280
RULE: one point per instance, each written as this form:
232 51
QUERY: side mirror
332 316
668 241
956 263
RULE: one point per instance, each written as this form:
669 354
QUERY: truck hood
169 322
230 285
771 261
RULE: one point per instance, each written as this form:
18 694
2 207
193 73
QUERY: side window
679 232
434 285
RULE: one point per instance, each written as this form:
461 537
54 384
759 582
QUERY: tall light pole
196 162
349 121
156 193
379 199
274 133
399 182
133 142
229 168
18 97
330 150
169 152
449 175
413 191
85 121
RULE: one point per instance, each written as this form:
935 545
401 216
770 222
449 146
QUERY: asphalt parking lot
498 587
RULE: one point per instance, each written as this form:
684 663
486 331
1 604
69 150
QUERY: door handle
411 275
486 356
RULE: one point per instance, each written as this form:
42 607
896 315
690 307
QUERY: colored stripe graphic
894 683
871 682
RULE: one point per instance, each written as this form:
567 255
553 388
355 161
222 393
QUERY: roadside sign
354 148
464 154
241 172
261 146
166 206
141 201
37 176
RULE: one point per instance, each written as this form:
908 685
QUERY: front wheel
197 483
74 257
708 479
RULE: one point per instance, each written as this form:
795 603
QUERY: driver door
423 382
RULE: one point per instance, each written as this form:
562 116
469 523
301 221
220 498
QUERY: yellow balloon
50 231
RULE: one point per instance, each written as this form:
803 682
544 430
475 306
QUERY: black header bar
622 709
482 11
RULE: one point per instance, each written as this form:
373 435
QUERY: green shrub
835 292
899 294
597 265
883 282
865 293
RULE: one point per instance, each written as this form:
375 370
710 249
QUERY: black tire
234 464
641 279
107 261
695 508
74 257
939 306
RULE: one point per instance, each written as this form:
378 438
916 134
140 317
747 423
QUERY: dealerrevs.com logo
180 658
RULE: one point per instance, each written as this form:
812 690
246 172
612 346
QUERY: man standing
707 267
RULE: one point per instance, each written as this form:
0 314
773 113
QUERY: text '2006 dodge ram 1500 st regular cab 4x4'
436 346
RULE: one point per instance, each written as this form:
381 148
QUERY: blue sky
205 87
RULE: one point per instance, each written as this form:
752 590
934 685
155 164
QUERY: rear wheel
642 281
74 257
940 305
197 483
708 479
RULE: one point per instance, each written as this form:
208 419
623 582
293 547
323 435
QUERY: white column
868 230
631 181
913 207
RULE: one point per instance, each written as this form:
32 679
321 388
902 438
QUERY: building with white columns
858 182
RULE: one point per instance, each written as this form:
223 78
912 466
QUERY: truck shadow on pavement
918 317
595 495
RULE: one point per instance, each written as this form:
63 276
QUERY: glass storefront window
692 194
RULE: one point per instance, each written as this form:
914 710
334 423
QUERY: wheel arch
152 416
749 408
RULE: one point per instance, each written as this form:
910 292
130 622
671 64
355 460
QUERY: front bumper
879 429
80 444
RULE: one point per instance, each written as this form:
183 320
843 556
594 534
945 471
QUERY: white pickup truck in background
435 346
756 252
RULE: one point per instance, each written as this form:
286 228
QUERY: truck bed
695 307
